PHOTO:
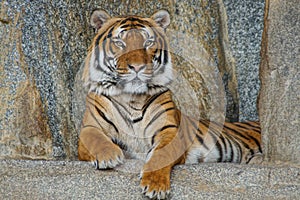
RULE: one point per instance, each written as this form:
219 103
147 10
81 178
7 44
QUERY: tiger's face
129 55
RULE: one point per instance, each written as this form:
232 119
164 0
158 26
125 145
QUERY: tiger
130 112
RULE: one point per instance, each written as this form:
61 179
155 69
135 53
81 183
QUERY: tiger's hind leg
96 147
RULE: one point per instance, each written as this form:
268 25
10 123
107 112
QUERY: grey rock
79 180
245 27
279 106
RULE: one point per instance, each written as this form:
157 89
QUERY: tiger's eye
149 43
119 44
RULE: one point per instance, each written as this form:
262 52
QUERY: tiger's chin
137 87
128 89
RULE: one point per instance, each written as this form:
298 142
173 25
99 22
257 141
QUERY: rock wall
44 45
279 100
245 26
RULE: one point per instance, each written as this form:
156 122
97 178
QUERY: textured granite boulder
43 44
279 103
245 26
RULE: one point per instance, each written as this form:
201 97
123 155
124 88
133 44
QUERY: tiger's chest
136 120
132 132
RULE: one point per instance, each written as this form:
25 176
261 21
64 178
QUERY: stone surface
24 132
279 103
79 180
245 26
43 44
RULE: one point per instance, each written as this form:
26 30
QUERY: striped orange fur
130 111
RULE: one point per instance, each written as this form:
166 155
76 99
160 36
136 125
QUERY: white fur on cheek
95 75
164 78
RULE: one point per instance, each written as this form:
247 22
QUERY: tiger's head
128 54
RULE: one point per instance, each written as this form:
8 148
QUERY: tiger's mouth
135 82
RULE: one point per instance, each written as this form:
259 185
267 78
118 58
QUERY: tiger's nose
136 67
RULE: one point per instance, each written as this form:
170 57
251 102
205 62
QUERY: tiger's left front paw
156 184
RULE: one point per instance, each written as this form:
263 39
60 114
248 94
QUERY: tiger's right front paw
108 156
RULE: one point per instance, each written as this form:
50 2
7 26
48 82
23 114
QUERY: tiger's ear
98 18
162 18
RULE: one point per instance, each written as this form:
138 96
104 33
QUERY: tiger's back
237 142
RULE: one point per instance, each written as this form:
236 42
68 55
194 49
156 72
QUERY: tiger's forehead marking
132 23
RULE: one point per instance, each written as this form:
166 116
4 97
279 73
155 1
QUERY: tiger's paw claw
108 164
155 185
155 194
109 160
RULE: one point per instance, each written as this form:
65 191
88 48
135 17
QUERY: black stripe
132 26
236 145
166 57
231 150
256 142
98 39
195 126
160 55
247 138
120 143
246 126
165 45
160 130
156 117
124 21
256 124
241 141
199 138
190 134
236 132
111 28
117 104
201 133
106 119
102 115
224 145
94 117
102 34
137 119
218 145
225 138
150 101
215 134
106 62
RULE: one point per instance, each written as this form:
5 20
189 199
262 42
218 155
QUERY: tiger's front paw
156 184
108 156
